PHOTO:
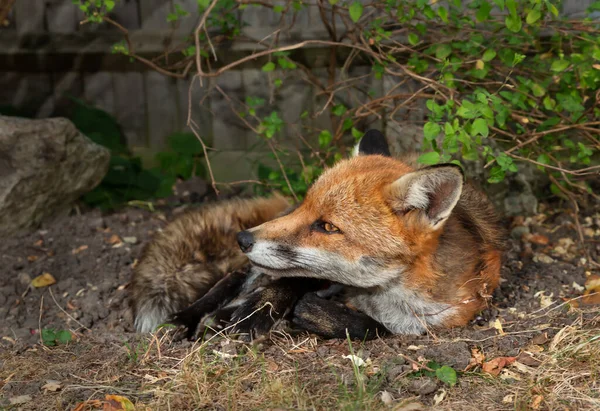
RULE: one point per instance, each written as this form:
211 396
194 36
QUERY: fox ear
433 190
373 142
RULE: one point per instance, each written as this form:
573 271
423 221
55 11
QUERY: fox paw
253 318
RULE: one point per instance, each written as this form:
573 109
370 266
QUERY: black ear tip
374 142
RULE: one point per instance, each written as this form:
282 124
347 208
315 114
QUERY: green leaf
110 4
356 133
447 375
339 110
537 90
443 13
533 16
325 138
543 159
442 51
483 12
431 130
270 66
204 3
356 11
496 175
559 65
278 9
511 5
48 336
488 55
413 39
64 336
500 4
333 2
513 23
430 158
552 8
480 127
185 143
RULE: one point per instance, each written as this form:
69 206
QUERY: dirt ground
555 340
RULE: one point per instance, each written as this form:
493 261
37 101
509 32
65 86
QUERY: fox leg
332 319
221 293
264 307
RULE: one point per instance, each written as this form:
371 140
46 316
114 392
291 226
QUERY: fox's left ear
434 191
373 142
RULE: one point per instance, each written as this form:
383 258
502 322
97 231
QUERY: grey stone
45 165
519 231
422 386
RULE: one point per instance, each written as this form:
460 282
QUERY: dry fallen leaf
117 403
496 365
52 385
538 239
114 239
79 249
272 366
528 359
85 405
38 243
591 295
439 397
498 326
536 402
479 65
32 258
477 359
540 339
43 280
357 361
387 398
508 399
20 399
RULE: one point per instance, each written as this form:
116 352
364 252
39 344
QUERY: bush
503 81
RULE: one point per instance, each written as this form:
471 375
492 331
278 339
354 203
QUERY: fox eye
330 228
325 227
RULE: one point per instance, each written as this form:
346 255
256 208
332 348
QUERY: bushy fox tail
183 261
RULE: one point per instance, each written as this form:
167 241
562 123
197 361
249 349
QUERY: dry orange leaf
117 403
88 404
539 239
114 239
32 258
477 359
38 243
79 249
591 295
536 402
496 365
43 280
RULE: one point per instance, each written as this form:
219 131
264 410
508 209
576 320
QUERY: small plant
444 373
127 179
52 337
136 352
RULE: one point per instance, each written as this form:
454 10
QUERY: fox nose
246 240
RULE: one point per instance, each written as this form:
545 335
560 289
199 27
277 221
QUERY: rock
519 231
422 386
45 165
455 354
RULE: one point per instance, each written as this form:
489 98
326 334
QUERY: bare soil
91 257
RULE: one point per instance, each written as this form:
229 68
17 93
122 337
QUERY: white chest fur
402 311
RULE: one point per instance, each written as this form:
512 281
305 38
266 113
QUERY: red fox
408 248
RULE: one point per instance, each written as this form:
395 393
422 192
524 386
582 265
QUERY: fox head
363 223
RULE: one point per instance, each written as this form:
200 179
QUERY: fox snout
245 240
